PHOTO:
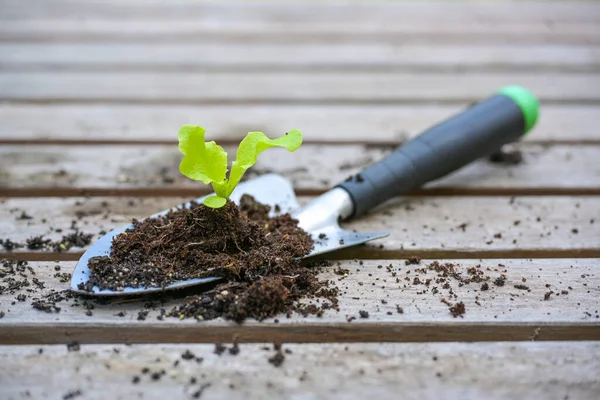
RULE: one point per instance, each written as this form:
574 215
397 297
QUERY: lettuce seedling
207 161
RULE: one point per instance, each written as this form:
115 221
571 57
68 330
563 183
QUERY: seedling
207 161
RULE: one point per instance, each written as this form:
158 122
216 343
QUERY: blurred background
358 73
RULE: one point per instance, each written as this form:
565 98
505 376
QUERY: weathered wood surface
331 87
42 170
115 80
355 371
473 32
324 123
285 12
514 226
501 313
236 57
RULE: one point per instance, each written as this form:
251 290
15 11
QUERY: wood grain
500 313
285 12
420 224
313 57
92 95
462 24
319 124
288 88
44 170
345 371
473 33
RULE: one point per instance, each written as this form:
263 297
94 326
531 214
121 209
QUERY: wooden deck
92 94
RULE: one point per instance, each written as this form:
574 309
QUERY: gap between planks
95 333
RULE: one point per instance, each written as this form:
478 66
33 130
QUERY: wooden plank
349 13
279 87
184 57
501 313
424 32
429 225
325 123
44 170
355 371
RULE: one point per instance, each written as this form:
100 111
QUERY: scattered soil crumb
278 359
72 395
500 281
413 260
522 287
219 348
363 314
73 346
341 271
235 349
142 314
198 393
399 309
24 216
457 309
155 376
514 157
76 239
548 294
188 355
10 245
485 286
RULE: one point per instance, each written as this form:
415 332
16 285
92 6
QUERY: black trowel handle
476 132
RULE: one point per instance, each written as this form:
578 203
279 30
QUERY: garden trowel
480 130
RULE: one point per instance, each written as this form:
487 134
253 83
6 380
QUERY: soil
457 309
504 157
72 395
75 239
278 358
257 256
413 260
73 346
500 280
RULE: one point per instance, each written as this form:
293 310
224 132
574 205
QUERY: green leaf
251 147
206 162
215 201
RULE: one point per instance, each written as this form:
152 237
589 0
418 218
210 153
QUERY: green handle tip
526 101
